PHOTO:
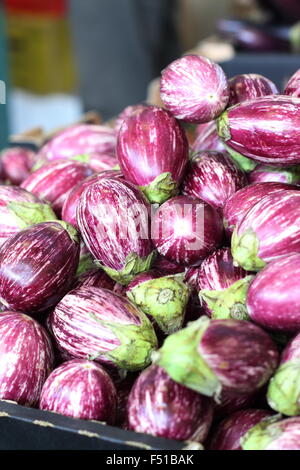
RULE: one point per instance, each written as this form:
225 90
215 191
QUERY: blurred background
62 58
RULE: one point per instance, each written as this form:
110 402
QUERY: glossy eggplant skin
95 323
246 87
266 130
55 180
38 266
17 163
194 89
273 434
94 278
265 173
80 389
273 299
152 151
186 229
241 202
159 406
207 138
293 85
212 177
229 432
267 231
26 358
114 220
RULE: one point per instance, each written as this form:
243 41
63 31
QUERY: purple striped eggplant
114 220
293 85
194 89
70 205
212 177
222 287
185 230
80 389
26 358
86 142
94 278
17 163
268 231
209 356
37 266
265 173
159 406
228 434
246 87
207 138
167 267
20 209
152 150
241 202
94 323
265 130
273 299
284 387
54 181
127 112
162 298
273 434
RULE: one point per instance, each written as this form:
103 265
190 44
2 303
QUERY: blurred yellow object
40 53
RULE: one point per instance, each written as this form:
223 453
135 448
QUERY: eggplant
70 205
152 151
241 202
284 387
209 356
273 299
80 389
228 434
167 267
159 406
265 130
273 434
265 173
89 143
38 266
94 278
292 87
114 220
127 112
20 209
230 402
246 87
86 261
194 89
94 323
207 138
185 230
162 298
26 358
212 177
267 231
222 287
17 163
54 181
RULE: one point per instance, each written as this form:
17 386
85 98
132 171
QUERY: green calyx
244 163
161 189
133 266
86 263
164 299
295 38
73 234
230 302
223 129
30 213
137 342
83 158
284 389
180 358
262 434
245 250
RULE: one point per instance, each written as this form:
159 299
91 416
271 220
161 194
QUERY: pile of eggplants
149 276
